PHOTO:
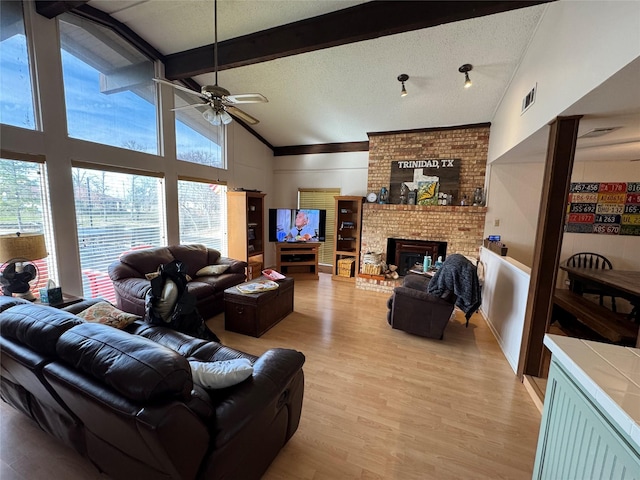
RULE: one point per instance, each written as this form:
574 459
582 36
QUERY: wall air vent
598 132
529 98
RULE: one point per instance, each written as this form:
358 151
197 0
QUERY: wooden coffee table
255 313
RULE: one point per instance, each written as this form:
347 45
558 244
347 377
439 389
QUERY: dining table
617 283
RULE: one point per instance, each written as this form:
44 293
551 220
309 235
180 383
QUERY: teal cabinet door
576 439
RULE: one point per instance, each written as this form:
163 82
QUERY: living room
514 185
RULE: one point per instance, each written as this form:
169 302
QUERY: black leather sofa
131 286
125 399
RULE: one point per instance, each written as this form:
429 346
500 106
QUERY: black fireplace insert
405 253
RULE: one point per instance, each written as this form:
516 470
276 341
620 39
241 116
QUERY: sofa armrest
235 266
267 389
134 287
119 271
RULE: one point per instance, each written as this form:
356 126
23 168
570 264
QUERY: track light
466 68
403 78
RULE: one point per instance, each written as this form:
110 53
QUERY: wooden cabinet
299 260
346 252
246 229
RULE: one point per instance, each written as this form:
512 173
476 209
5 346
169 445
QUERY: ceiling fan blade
193 105
246 98
180 87
244 116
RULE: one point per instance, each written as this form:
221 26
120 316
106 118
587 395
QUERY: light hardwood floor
379 403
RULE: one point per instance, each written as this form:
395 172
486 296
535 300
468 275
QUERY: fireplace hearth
405 253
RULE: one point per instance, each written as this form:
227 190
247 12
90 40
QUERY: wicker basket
346 267
371 269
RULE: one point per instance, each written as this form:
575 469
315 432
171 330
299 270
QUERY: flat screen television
297 225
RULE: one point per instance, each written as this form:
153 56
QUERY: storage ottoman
255 313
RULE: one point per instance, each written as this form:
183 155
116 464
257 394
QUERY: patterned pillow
107 314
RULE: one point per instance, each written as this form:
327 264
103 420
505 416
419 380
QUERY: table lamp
17 251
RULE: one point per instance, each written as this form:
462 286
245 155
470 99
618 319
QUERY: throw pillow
107 314
151 276
167 300
212 270
221 374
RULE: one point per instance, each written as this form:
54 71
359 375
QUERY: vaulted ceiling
329 68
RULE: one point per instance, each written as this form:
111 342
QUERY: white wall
504 301
346 171
576 47
513 200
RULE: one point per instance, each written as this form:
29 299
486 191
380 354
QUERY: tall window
203 214
197 141
16 90
24 208
323 199
108 87
116 213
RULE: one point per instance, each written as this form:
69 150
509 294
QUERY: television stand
298 259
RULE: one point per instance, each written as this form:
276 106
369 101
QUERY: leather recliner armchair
415 311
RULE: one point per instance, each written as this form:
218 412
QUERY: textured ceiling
340 94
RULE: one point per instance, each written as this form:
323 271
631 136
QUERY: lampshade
217 117
25 246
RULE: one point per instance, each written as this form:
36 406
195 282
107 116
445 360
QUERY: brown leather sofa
125 399
131 285
415 311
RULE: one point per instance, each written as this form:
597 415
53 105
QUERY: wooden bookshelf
348 224
246 229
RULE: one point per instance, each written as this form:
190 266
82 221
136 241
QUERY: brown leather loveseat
125 399
128 275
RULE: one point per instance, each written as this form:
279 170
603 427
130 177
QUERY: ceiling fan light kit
220 103
403 77
466 68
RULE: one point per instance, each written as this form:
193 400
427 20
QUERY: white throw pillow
167 300
212 270
221 374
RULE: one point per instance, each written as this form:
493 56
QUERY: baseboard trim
534 391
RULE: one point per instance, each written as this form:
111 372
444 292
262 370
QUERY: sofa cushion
194 257
136 367
221 374
146 261
37 326
107 314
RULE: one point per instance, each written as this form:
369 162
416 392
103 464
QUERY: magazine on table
257 286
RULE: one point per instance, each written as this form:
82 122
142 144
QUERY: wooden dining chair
594 261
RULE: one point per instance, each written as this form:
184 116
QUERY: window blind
116 213
203 213
322 199
24 208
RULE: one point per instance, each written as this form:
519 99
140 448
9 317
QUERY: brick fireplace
461 227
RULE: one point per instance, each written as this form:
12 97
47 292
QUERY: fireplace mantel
428 208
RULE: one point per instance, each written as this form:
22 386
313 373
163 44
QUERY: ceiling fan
218 100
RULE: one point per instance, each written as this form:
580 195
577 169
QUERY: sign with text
411 171
604 208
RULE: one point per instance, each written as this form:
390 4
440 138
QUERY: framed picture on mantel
407 171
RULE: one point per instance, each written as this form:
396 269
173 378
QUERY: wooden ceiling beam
362 22
52 9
